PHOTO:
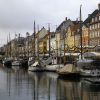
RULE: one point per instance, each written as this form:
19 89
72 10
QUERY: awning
69 54
91 54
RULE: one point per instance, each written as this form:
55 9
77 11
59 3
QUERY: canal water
18 84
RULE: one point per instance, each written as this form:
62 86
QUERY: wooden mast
34 38
38 42
9 45
7 48
49 39
81 31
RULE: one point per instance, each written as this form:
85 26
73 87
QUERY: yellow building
69 40
71 36
41 41
43 44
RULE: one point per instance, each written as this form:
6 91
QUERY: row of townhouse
69 33
66 38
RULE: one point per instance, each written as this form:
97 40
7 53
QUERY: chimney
65 18
99 6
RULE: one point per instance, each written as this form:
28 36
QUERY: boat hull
7 63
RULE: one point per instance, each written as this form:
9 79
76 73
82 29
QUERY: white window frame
96 19
98 42
92 19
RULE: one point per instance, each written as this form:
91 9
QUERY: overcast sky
17 16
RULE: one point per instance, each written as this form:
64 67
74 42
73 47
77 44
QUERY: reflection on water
18 84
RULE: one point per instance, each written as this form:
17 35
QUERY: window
99 17
92 19
96 34
93 27
96 25
99 42
90 35
90 27
99 25
96 18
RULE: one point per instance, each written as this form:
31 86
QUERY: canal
18 84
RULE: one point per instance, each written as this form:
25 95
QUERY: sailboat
33 62
7 62
87 65
16 62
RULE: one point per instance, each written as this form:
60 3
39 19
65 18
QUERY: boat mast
38 42
9 45
49 39
34 38
81 31
7 48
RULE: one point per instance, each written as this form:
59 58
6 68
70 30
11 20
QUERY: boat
16 63
7 62
69 70
46 60
31 61
35 67
88 62
89 65
53 67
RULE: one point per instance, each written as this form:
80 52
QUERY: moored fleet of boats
88 66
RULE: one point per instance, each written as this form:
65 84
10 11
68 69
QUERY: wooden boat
69 70
7 62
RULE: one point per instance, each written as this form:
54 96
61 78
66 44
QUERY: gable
43 32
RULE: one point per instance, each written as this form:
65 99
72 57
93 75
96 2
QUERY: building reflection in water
22 85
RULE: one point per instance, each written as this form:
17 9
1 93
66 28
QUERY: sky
17 16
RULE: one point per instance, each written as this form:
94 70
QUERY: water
18 84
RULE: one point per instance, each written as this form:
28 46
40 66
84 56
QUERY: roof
91 16
64 25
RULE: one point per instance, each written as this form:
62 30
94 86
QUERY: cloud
19 15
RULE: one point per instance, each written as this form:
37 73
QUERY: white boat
45 61
16 63
88 66
84 63
30 61
35 67
53 67
90 72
